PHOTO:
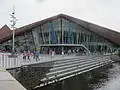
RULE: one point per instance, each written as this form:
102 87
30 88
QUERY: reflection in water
113 82
105 78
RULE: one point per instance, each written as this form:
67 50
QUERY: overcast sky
102 12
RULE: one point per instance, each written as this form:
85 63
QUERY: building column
77 37
49 37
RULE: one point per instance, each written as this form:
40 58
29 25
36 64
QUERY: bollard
2 60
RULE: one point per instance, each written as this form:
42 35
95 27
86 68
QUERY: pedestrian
37 55
53 53
50 52
34 54
62 52
24 55
28 55
69 51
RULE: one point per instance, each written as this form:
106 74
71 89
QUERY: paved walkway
12 62
7 82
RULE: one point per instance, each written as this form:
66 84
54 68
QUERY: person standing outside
53 53
37 55
24 55
33 53
69 51
28 54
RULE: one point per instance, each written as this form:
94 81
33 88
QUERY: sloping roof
5 31
109 34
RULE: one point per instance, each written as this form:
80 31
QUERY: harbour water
105 78
113 80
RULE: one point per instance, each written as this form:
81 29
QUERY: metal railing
7 61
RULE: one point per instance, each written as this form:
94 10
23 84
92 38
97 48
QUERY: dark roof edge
93 27
5 26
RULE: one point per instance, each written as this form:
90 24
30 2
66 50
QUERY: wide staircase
66 68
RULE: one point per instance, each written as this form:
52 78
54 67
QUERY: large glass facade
64 32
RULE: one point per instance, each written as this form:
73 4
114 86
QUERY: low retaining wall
30 75
115 58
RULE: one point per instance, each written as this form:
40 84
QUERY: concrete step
80 69
70 61
70 64
66 60
84 69
75 70
62 70
66 64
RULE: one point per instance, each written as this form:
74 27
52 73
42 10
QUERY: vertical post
62 32
13 40
62 50
13 20
77 37
53 34
49 37
69 33
42 35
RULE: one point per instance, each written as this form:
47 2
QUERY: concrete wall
30 76
115 58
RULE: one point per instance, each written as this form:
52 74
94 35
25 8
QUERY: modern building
61 33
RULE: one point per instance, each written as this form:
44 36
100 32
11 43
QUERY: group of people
29 54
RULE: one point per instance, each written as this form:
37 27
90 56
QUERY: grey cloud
102 12
40 1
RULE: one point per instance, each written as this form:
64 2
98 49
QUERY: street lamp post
13 49
13 21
